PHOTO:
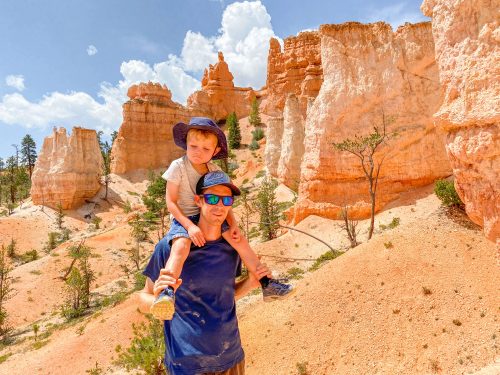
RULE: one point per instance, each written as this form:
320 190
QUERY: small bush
258 134
29 256
127 207
295 273
329 255
445 191
254 145
393 224
97 221
302 368
147 348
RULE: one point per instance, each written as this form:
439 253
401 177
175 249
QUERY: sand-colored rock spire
68 169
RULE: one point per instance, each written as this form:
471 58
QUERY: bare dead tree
349 225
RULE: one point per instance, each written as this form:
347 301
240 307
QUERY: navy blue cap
213 179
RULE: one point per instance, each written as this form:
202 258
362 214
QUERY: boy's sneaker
276 290
164 306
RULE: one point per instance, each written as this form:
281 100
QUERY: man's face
214 214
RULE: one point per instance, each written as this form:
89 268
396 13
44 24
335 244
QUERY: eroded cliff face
372 76
467 43
295 70
292 144
67 170
218 95
145 140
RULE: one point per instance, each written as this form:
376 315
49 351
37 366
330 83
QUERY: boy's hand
235 233
196 235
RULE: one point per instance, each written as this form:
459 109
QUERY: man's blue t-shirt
203 335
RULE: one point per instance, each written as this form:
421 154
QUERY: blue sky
69 63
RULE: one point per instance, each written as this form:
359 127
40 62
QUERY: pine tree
268 209
11 178
5 290
28 153
234 133
59 216
254 118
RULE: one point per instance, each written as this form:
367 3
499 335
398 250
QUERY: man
203 336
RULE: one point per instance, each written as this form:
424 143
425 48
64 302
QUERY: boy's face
200 150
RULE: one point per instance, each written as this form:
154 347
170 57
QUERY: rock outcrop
145 140
274 133
218 95
372 76
67 170
297 70
292 144
467 42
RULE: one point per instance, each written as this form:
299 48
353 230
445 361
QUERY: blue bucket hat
203 123
213 179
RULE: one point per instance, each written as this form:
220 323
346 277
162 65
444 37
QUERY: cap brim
233 188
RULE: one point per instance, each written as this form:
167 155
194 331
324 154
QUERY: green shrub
254 145
147 348
329 255
445 191
295 273
258 134
393 224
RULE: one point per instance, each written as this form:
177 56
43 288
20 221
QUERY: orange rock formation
297 70
467 37
144 140
369 72
218 95
67 170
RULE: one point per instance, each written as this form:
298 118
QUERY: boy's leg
179 252
248 256
164 306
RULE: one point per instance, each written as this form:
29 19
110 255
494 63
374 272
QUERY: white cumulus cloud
91 50
243 38
15 81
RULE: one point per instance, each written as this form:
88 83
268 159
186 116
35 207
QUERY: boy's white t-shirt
181 172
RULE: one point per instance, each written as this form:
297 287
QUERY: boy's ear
217 150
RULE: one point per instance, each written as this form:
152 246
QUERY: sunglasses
212 199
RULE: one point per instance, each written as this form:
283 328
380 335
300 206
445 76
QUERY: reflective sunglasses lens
227 201
211 199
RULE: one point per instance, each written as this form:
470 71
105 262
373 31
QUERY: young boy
203 141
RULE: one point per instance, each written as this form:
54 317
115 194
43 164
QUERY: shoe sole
275 298
163 309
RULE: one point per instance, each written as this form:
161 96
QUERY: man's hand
235 233
165 280
260 272
196 235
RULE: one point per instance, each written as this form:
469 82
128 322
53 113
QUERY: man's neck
210 232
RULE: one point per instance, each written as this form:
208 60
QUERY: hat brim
181 129
233 188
